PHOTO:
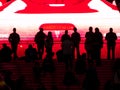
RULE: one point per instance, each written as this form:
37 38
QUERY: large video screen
27 16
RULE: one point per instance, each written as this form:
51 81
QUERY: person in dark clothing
3 85
116 80
70 79
67 48
111 38
49 43
75 37
108 85
40 41
37 70
41 88
65 36
48 64
80 65
14 40
91 81
59 55
20 83
98 44
8 79
5 53
89 43
116 65
30 54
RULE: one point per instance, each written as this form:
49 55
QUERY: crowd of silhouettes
66 54
69 44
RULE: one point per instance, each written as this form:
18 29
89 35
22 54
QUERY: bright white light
56 5
114 3
0 3
15 6
57 33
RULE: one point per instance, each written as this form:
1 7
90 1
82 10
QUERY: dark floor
22 68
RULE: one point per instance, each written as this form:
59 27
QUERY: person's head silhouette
30 46
14 30
96 29
75 29
111 30
66 31
49 33
90 29
41 29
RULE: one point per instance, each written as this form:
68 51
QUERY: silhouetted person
49 67
80 65
59 55
65 36
5 53
98 44
8 79
49 43
70 79
116 65
111 38
75 37
108 85
48 64
14 40
20 83
67 47
116 80
37 70
3 85
30 54
91 81
89 43
40 41
41 88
